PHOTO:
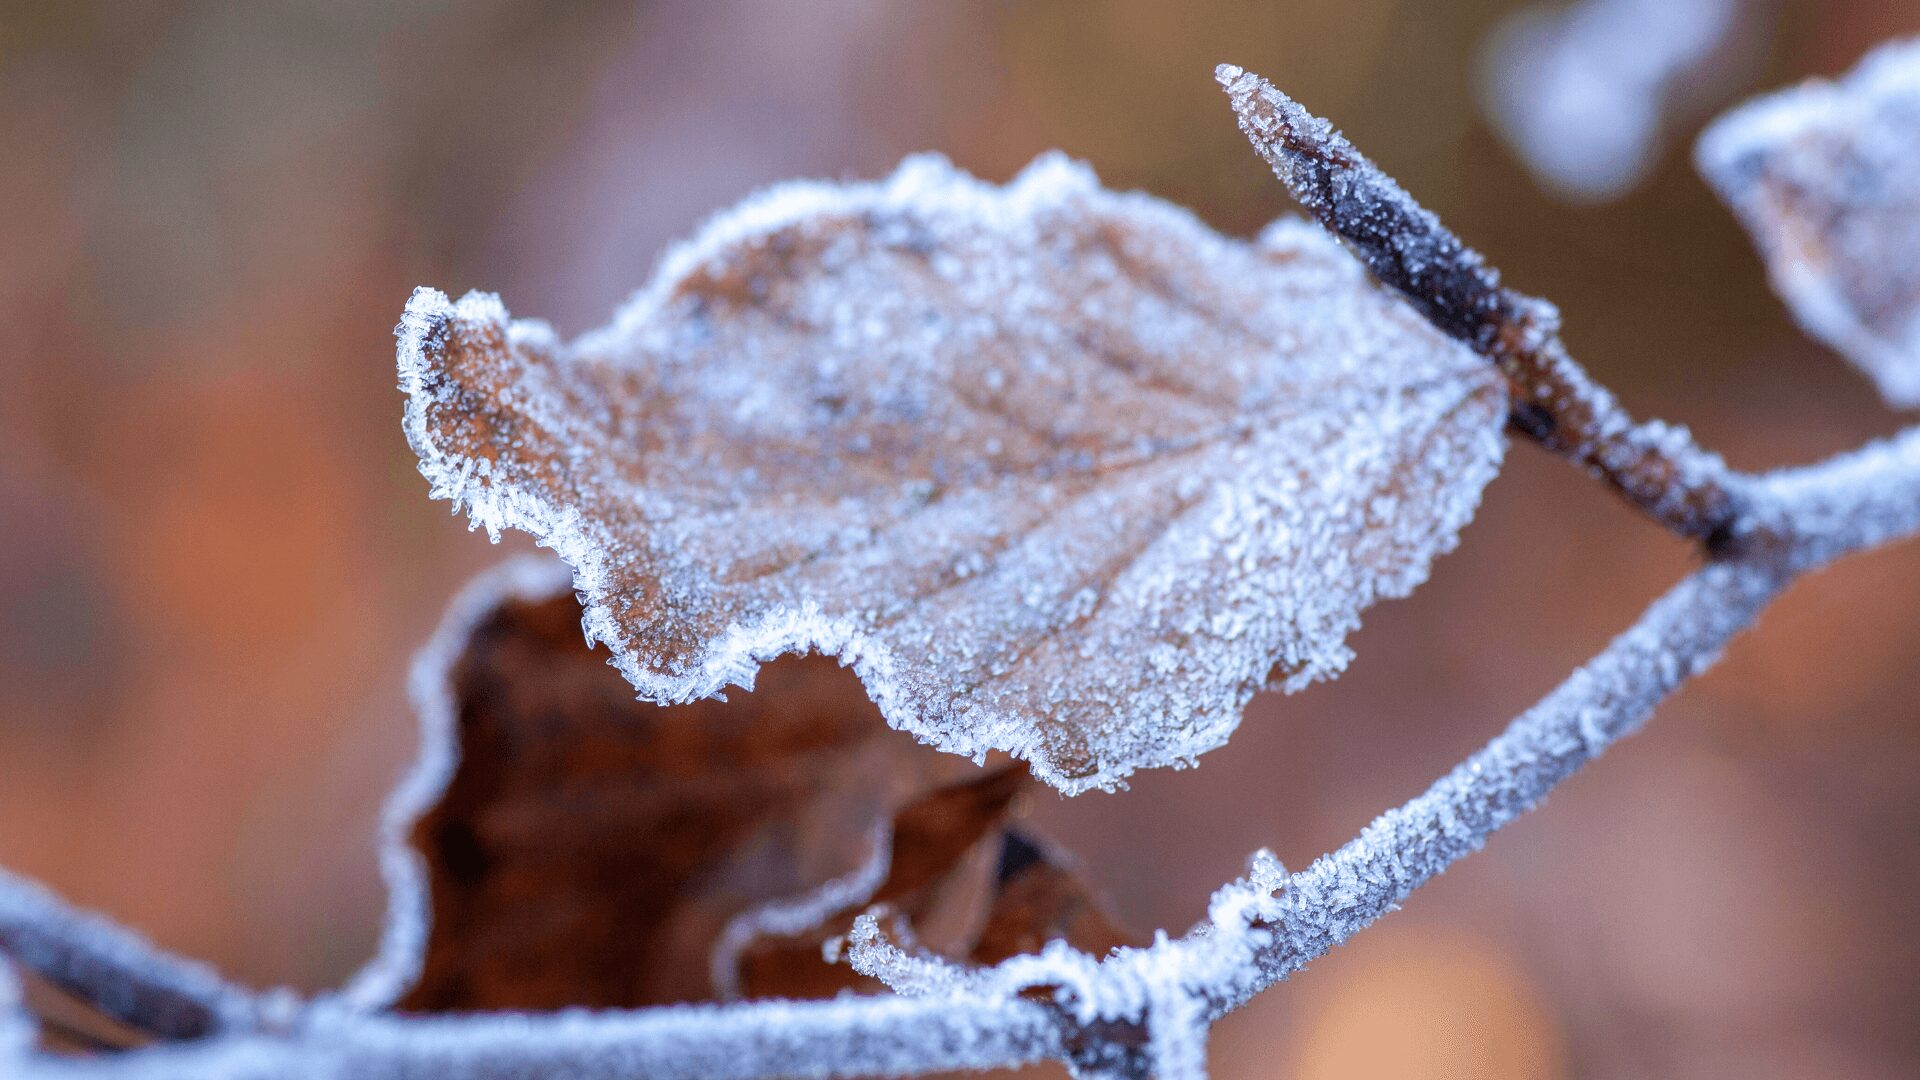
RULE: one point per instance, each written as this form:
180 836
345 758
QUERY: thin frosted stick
1680 636
114 969
1814 514
862 1036
1656 466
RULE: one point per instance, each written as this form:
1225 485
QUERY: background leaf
1826 176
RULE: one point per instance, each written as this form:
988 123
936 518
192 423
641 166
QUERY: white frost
1826 176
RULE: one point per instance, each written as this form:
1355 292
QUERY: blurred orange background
218 556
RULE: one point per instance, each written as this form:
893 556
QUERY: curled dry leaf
1826 176
585 848
931 886
562 844
1058 471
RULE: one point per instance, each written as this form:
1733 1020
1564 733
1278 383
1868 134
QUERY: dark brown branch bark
115 970
1655 466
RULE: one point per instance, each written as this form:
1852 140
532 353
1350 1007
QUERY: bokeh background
216 556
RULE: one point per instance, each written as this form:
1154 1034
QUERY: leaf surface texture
1058 471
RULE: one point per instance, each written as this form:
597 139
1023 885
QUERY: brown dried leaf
61 1024
584 848
576 847
1058 471
1826 176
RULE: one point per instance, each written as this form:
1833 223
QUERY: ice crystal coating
1058 471
1826 176
1582 92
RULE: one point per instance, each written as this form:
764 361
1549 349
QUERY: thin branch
114 969
1656 466
854 1036
1678 637
1854 502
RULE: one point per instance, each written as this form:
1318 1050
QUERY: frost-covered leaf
61 1024
1058 471
579 847
1826 176
95 983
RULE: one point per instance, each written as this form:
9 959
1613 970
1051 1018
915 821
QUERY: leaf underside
1826 176
1057 471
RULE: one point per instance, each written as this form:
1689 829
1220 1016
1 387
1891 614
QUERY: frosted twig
1259 930
114 969
1814 515
1679 636
1850 503
1656 466
854 1036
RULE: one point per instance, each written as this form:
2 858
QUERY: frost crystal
1826 176
1581 93
1058 471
